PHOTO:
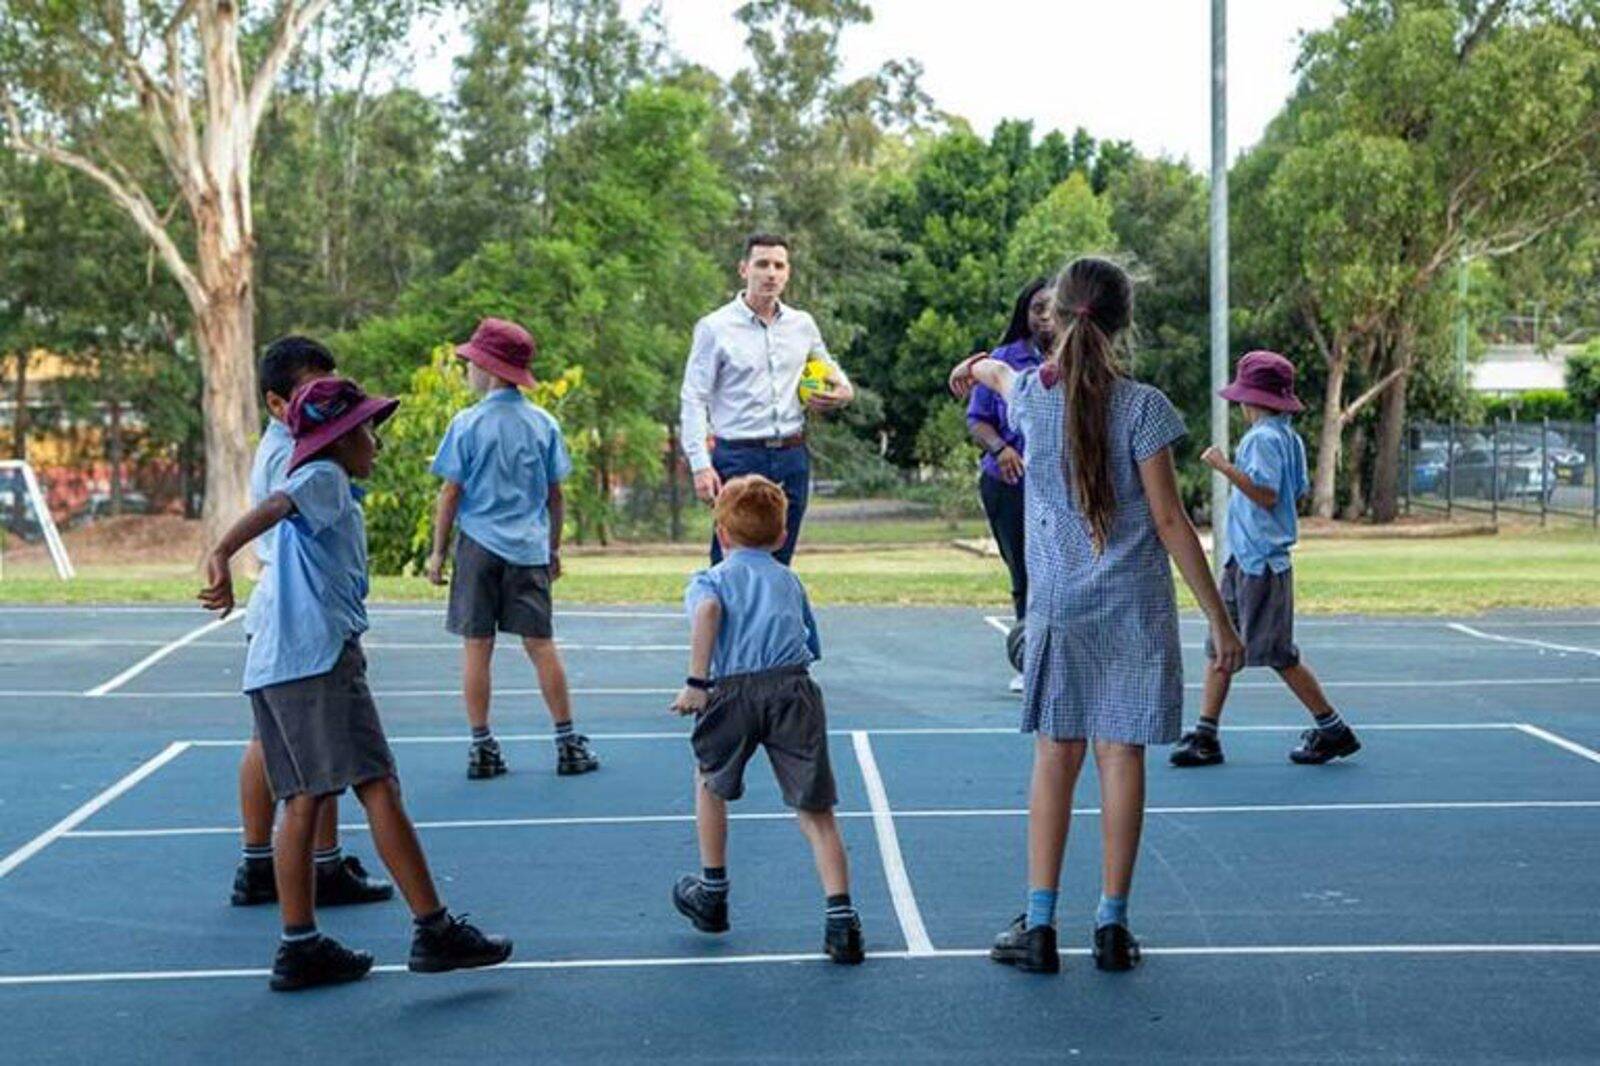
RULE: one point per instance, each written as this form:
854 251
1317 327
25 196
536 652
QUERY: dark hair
287 359
1093 309
763 240
1018 329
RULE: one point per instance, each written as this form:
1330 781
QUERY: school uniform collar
752 555
512 395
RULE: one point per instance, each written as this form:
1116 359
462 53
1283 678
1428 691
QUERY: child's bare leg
396 840
291 857
327 836
1218 682
1055 774
552 677
711 824
833 865
256 805
1303 683
1121 768
476 687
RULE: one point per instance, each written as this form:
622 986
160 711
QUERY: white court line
425 611
999 623
673 962
95 642
160 653
1523 641
1559 741
915 731
435 693
77 817
894 864
933 813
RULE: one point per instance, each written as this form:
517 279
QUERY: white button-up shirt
744 374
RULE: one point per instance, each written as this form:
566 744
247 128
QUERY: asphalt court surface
1437 898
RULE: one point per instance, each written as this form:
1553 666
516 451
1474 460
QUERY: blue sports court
1432 899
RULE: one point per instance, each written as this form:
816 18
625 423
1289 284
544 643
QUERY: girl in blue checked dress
1103 662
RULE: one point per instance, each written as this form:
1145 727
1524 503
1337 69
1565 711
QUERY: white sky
1134 70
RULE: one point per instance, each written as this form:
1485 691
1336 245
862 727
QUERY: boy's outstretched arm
444 520
703 628
218 593
1259 495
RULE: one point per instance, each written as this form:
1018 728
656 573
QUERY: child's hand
218 593
435 569
690 700
1228 647
1214 458
961 380
1011 466
555 564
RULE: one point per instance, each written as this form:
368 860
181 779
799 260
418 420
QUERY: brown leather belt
794 441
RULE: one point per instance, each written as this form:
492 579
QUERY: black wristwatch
700 683
997 447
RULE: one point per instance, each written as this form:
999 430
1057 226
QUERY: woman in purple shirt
1026 342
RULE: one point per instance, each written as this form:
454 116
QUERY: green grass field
1454 576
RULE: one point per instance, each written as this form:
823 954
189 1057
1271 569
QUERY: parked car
1522 472
1427 468
1569 464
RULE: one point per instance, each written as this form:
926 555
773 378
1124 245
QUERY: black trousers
1002 504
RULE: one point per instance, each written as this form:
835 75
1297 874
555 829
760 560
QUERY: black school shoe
1318 746
1030 950
842 941
706 909
254 883
1197 749
1115 949
484 761
320 960
455 945
347 882
574 756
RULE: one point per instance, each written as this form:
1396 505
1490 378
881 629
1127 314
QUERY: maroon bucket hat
326 409
502 348
1264 379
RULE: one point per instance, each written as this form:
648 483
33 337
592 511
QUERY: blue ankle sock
1113 910
1041 907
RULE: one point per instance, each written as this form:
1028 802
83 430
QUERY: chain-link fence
1539 468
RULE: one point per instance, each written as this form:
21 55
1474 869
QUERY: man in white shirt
741 387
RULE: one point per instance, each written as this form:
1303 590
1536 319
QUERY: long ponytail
1093 306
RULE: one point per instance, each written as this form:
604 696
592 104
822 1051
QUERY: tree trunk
114 451
1355 504
1391 429
225 332
1323 483
674 495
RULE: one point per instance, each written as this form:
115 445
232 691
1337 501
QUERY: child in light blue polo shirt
341 879
752 639
1269 478
305 674
503 461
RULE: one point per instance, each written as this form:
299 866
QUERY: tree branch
1349 413
1482 28
293 18
127 194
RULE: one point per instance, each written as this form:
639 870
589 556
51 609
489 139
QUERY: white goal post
18 469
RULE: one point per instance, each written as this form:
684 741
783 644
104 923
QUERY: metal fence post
1494 473
1544 470
1405 457
1594 472
1450 471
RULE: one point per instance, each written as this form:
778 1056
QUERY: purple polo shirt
987 406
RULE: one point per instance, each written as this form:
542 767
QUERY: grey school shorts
488 594
321 734
780 710
1262 610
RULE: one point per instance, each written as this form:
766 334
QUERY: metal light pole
1219 271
